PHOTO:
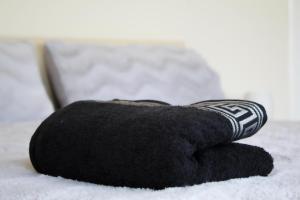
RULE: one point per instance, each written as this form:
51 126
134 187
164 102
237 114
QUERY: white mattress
18 180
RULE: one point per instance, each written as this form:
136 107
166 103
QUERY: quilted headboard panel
23 96
105 72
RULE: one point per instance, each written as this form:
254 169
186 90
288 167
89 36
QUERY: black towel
148 144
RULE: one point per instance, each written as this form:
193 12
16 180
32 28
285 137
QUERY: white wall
246 41
294 18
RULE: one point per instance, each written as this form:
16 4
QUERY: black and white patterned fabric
246 117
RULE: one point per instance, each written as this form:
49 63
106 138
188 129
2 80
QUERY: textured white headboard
39 42
23 97
179 76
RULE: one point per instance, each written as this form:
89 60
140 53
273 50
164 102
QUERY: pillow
22 94
102 72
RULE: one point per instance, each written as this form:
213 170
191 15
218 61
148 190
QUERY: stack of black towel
151 144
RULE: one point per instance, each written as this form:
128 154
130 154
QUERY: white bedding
18 180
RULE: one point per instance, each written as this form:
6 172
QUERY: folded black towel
150 144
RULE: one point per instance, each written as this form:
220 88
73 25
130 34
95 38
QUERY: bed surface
18 179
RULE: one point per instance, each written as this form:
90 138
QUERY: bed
18 179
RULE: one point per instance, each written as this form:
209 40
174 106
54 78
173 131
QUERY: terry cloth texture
145 144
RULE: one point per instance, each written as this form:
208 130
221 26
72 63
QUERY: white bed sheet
18 180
